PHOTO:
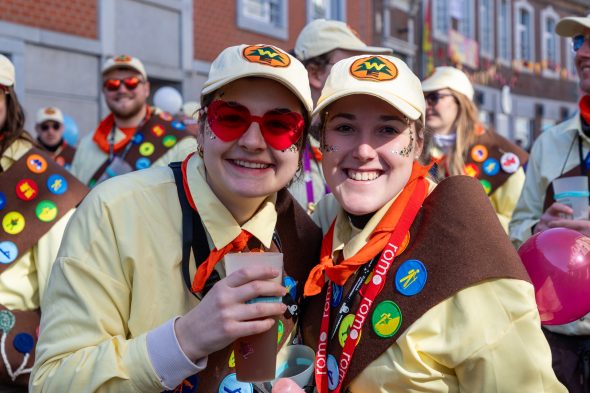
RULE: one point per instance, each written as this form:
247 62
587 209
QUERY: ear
316 76
419 141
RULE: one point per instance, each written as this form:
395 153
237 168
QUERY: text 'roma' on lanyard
370 290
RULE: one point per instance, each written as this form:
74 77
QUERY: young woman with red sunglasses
140 315
461 145
31 228
408 295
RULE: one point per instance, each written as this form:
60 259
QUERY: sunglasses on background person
578 41
230 120
48 125
433 98
114 84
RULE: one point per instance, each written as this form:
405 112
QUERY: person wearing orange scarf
417 286
135 305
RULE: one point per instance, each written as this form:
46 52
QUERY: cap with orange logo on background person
124 62
49 125
391 233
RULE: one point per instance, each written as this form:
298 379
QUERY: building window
267 17
486 28
326 9
525 33
441 17
550 42
570 71
504 31
467 19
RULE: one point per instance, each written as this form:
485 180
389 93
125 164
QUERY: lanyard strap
370 292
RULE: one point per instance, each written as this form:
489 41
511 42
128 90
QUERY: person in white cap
408 295
461 145
134 135
50 129
37 198
126 299
561 151
319 45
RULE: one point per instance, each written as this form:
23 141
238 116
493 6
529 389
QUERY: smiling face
248 167
370 148
582 61
125 103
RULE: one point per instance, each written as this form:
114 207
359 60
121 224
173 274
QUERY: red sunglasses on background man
114 84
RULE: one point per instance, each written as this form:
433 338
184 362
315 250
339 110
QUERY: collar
220 224
122 135
444 141
51 149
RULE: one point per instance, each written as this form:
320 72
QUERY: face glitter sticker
491 167
479 153
386 319
13 223
146 149
8 252
27 190
36 163
46 211
410 277
57 184
405 152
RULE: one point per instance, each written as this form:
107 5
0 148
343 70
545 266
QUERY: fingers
248 312
556 208
285 385
256 289
244 276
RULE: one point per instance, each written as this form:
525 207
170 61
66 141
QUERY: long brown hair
465 124
13 127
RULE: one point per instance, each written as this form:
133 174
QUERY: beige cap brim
387 96
572 25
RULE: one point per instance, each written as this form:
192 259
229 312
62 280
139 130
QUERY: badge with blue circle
291 285
2 200
336 294
231 384
178 125
8 252
333 372
491 167
57 184
411 277
23 343
142 163
137 139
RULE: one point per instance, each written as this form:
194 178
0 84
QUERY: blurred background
523 72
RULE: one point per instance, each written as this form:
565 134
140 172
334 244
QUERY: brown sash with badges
300 241
549 199
493 159
64 155
34 194
151 141
455 224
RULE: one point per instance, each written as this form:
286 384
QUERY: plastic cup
295 362
573 192
256 355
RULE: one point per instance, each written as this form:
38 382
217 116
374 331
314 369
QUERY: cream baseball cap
572 25
322 36
264 61
6 71
448 78
50 113
384 77
124 61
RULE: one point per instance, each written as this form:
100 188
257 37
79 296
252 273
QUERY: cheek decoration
293 148
323 146
405 152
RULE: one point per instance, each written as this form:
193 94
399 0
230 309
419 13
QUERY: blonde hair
465 124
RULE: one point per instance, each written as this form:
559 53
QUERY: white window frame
500 21
469 16
518 6
441 35
547 14
572 73
336 10
256 25
484 15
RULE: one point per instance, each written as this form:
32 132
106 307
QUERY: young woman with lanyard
461 145
133 320
33 217
418 287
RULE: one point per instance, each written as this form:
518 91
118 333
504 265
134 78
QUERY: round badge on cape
23 343
57 184
231 384
291 285
178 125
471 170
146 149
281 331
510 162
13 223
386 319
8 252
26 190
46 211
410 277
232 360
479 153
36 163
333 372
142 163
158 130
336 294
166 116
345 329
487 186
137 139
491 167
2 200
168 141
7 320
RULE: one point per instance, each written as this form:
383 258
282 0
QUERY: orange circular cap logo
122 59
267 55
479 153
50 111
36 163
374 68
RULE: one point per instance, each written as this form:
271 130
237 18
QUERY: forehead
363 105
253 90
121 73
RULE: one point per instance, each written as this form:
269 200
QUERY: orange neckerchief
101 135
236 245
377 240
585 108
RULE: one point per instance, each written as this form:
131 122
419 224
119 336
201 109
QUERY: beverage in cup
573 192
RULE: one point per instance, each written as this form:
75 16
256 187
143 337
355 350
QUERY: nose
252 139
364 151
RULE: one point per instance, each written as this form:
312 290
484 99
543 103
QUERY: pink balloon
558 262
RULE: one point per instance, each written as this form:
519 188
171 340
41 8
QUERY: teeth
362 176
253 165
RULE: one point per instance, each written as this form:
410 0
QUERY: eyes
391 129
